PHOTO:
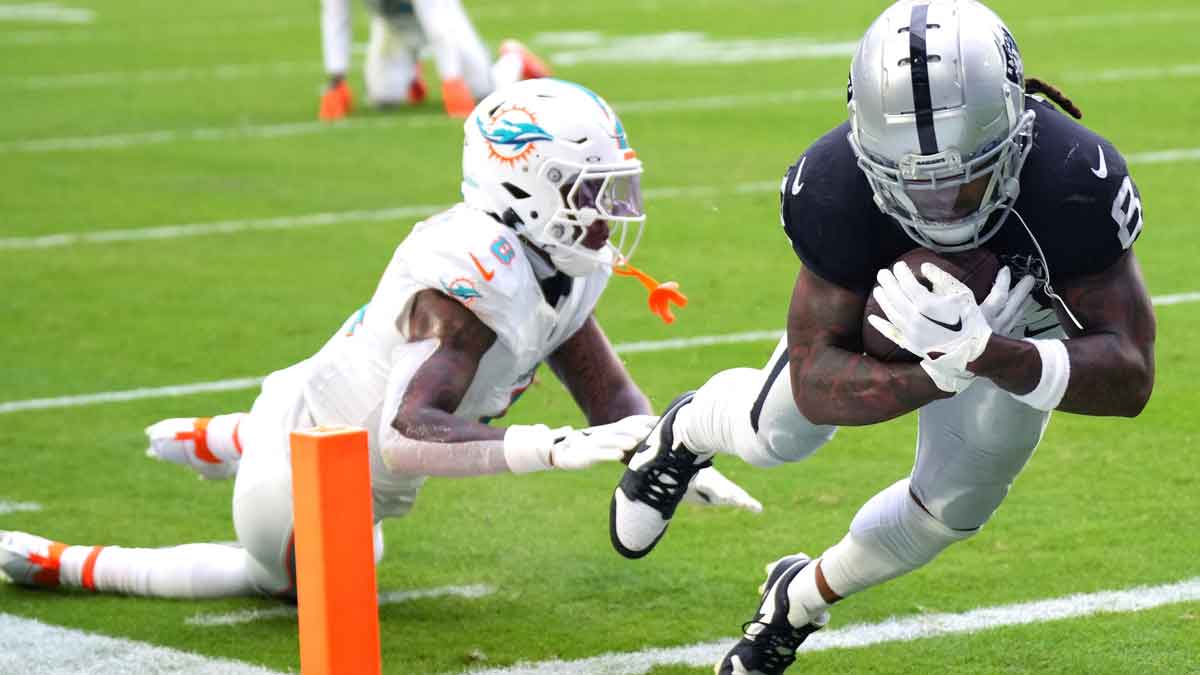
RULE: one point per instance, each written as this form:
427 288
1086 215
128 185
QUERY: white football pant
970 448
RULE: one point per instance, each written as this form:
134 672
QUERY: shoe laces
668 476
775 645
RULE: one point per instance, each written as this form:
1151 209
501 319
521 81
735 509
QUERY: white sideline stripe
1175 299
47 12
130 395
309 220
252 382
391 598
220 227
1127 74
33 648
673 344
338 217
890 630
18 507
233 71
701 341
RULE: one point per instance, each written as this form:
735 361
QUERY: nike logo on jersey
797 186
487 274
1034 333
1101 172
956 326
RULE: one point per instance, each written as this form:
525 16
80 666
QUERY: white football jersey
357 378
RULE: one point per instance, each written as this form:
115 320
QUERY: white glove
1003 308
711 488
581 448
945 321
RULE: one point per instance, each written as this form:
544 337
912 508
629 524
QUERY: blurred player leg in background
393 68
466 71
336 101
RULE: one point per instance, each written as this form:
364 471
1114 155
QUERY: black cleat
769 643
653 485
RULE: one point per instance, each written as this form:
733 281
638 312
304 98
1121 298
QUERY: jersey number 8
1124 213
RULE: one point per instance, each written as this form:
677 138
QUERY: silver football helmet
938 120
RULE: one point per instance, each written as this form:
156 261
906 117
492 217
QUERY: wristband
1056 372
527 448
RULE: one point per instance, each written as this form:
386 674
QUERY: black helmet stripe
919 69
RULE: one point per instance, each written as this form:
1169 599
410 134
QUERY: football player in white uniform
472 301
400 30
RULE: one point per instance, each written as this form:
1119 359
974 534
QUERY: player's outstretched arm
1110 364
590 369
437 386
832 380
425 437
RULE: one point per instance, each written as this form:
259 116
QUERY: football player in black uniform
945 148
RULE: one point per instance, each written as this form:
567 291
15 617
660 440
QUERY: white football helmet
550 159
938 120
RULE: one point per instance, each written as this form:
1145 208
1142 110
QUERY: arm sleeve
409 456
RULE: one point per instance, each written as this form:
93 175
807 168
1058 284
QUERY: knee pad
891 535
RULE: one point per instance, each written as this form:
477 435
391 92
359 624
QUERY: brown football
976 268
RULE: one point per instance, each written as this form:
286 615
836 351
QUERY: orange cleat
457 98
662 296
531 66
336 102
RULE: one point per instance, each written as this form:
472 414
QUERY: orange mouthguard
662 296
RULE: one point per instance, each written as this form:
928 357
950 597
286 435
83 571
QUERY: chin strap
662 296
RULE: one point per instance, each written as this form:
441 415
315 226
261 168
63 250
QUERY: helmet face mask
938 120
944 203
550 159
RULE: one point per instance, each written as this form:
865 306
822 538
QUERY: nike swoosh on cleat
956 326
1102 171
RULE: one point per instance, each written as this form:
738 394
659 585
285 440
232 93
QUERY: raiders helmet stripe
919 64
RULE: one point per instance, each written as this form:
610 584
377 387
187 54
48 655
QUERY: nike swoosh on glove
581 448
939 323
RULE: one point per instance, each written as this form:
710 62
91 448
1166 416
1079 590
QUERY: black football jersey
1076 196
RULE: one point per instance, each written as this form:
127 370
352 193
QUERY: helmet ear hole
516 192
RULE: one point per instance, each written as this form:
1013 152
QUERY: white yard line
391 598
673 344
18 507
234 71
338 217
892 630
45 12
314 220
33 648
253 382
130 395
219 227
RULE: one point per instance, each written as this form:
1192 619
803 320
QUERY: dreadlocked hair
1035 86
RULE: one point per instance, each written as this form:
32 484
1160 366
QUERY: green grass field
135 121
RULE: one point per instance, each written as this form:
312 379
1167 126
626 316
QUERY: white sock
891 535
188 571
805 598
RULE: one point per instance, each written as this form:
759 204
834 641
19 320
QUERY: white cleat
29 560
201 443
